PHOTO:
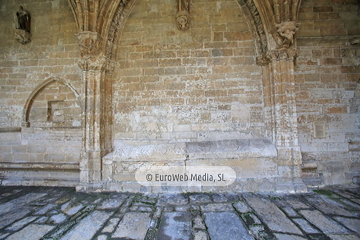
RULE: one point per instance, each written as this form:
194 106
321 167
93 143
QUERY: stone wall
194 85
40 113
327 77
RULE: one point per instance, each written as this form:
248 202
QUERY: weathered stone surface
111 225
128 229
21 223
324 224
305 226
175 225
31 232
231 149
242 207
172 199
200 235
226 225
87 227
58 218
13 215
271 214
216 207
111 203
21 201
199 198
71 208
351 223
281 236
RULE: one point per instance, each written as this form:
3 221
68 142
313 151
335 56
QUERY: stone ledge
38 166
224 149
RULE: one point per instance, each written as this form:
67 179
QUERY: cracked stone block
134 225
226 225
12 216
175 225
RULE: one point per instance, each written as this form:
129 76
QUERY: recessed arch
37 90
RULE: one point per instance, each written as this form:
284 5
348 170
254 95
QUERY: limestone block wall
40 95
327 77
194 85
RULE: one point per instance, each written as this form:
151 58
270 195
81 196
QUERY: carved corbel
90 43
183 15
286 31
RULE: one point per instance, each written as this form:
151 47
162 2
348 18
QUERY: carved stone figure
23 19
287 31
183 16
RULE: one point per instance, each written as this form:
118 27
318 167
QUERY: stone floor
61 213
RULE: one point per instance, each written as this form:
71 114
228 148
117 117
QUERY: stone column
281 117
93 64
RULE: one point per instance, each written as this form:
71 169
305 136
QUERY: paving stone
141 208
219 198
199 198
324 224
31 232
175 225
328 206
88 226
45 209
12 216
226 225
198 223
351 223
111 225
21 223
297 204
250 219
217 207
275 219
172 199
70 208
281 236
18 202
343 237
290 211
242 207
134 225
58 218
158 212
42 220
305 225
111 203
200 235
102 237
184 208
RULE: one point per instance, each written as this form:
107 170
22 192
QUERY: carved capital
90 43
286 31
277 55
99 62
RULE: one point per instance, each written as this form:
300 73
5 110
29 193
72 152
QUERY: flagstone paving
61 213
